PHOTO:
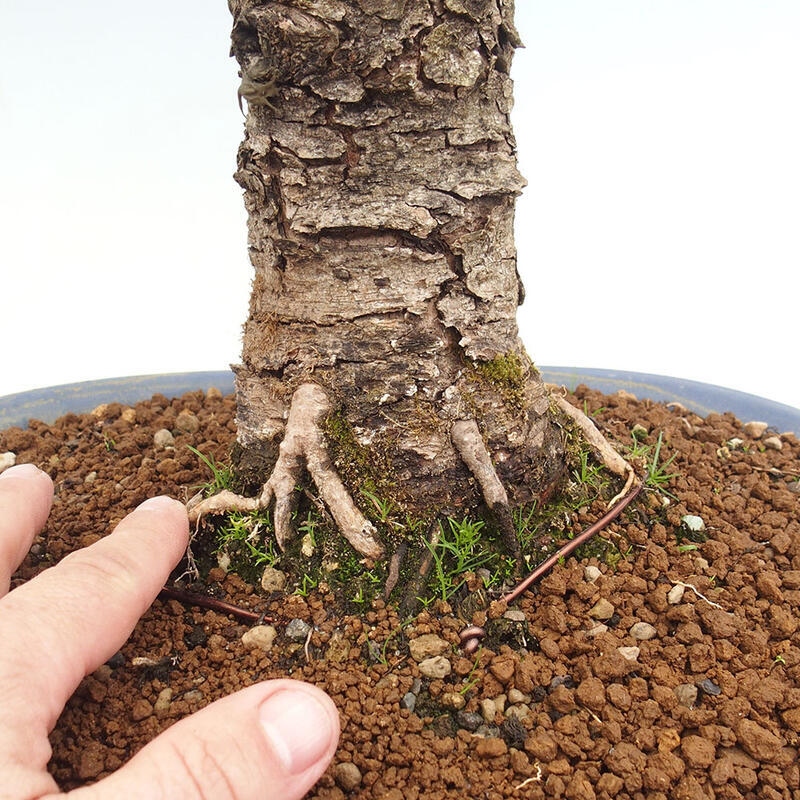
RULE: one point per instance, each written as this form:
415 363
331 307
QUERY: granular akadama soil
674 673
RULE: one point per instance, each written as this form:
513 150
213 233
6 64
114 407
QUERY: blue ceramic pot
48 404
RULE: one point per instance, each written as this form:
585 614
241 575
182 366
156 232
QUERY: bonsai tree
381 351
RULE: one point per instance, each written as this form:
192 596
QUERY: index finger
26 494
69 619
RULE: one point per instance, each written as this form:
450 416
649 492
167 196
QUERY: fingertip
301 725
162 503
25 472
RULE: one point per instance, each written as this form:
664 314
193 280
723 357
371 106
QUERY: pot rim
49 403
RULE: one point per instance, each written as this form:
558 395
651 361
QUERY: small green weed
307 585
471 679
460 549
249 536
368 585
308 527
587 473
657 475
221 475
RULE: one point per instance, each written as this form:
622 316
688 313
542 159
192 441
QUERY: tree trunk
379 174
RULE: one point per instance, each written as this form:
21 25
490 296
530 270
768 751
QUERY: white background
660 231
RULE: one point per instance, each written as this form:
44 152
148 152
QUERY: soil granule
684 683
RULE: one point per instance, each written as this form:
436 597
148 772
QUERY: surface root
468 441
303 448
605 452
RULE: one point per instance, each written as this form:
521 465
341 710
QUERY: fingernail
22 471
156 503
298 727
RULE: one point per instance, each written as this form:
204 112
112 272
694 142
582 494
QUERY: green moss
505 370
367 472
507 374
353 461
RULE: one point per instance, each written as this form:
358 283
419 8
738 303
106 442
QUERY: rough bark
379 174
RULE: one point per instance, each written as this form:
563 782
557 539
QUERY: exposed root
221 503
414 587
204 601
303 448
699 594
607 454
467 439
394 569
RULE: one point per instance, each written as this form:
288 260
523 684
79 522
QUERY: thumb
271 741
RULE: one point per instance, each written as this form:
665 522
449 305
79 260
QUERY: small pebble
163 439
453 700
488 710
630 653
517 712
773 443
409 701
693 523
516 696
602 609
347 776
642 631
686 693
591 573
91 477
709 687
515 615
427 646
116 661
469 720
273 580
435 667
755 429
259 637
297 630
187 422
700 564
7 460
675 594
163 701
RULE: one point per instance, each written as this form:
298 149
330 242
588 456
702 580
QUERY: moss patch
507 374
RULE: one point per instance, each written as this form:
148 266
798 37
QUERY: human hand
272 740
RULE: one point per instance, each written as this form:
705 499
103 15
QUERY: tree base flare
303 448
